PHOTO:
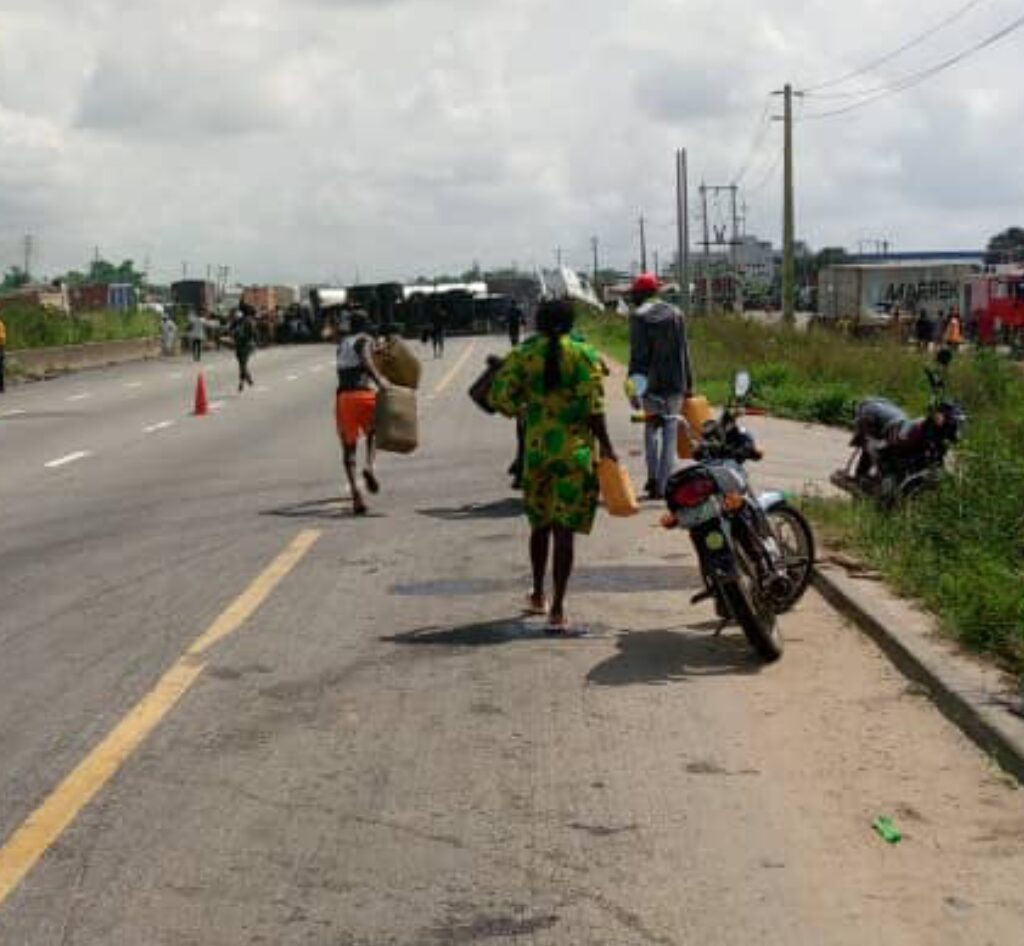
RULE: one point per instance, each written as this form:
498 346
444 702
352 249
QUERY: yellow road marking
242 608
46 824
456 368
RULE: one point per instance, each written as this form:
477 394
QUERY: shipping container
870 290
92 297
262 298
122 296
197 294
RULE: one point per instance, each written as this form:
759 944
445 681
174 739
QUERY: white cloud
303 139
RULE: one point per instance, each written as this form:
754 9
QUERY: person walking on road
196 334
437 328
243 333
953 334
356 404
515 323
168 335
659 353
556 385
3 353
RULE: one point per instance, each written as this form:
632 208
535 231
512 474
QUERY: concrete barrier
41 362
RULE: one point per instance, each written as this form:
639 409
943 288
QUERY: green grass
33 327
959 549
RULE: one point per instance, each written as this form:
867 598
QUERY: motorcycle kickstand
705 595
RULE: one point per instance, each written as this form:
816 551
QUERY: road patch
47 823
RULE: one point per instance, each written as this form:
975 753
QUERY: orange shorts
354 415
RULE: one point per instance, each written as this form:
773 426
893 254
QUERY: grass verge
959 549
33 327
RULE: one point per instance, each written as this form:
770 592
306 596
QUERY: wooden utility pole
788 212
682 231
643 246
707 249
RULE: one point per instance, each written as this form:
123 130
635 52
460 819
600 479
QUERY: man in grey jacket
659 352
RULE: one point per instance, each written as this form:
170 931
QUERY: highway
231 713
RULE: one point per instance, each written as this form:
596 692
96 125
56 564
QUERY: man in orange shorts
356 404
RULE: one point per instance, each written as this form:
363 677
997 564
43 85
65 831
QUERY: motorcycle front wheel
796 540
752 611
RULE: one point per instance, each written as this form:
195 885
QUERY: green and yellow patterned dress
560 472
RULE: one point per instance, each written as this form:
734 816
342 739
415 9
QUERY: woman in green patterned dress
555 384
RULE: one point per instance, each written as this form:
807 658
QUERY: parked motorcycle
756 552
895 457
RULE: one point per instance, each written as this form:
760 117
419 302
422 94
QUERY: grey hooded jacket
658 348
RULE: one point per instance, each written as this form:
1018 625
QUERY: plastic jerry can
697 412
395 420
617 488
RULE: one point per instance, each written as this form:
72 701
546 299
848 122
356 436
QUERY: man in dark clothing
437 328
243 333
515 323
660 354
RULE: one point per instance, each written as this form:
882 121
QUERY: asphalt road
230 713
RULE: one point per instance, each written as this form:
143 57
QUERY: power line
760 132
917 78
765 178
888 57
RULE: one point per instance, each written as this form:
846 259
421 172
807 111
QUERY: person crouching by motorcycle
659 351
882 426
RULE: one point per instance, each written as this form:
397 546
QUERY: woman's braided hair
554 319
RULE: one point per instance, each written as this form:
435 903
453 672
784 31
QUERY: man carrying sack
659 352
356 404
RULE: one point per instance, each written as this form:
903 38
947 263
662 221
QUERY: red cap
646 282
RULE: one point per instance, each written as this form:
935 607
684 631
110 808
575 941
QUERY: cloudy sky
300 140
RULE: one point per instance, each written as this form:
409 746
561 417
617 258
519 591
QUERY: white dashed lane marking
162 425
70 458
79 397
293 377
15 413
133 384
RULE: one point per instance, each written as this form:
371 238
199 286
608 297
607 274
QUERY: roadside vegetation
35 327
960 549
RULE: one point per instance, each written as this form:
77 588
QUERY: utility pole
593 247
643 246
707 249
655 262
184 270
558 256
737 292
788 211
682 231
28 255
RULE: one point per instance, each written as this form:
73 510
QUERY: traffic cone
202 408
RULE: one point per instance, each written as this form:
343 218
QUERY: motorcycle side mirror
741 385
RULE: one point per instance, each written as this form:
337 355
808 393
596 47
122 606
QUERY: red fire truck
995 306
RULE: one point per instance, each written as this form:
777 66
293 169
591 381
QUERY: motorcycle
756 552
895 458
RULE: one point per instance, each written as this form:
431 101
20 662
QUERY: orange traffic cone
202 408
